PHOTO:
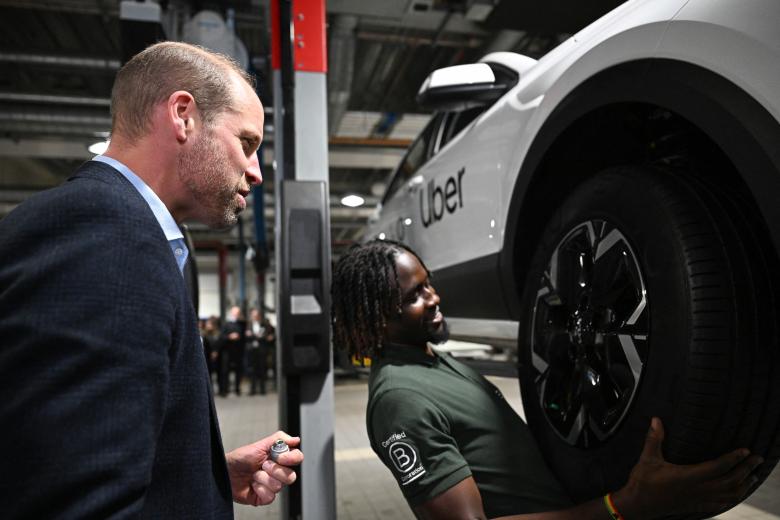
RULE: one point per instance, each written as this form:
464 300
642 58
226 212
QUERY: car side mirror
460 87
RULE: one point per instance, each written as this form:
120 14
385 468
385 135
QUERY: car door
394 217
454 196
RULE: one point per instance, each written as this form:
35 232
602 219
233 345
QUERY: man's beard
441 334
205 172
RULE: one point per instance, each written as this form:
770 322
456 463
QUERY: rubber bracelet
613 512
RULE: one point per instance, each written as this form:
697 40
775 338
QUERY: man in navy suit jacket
107 408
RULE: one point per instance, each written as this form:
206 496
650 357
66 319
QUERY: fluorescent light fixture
98 148
353 201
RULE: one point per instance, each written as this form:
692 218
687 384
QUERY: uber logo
403 456
450 197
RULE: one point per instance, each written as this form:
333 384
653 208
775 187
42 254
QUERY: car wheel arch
720 112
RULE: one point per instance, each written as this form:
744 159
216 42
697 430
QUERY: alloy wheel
590 333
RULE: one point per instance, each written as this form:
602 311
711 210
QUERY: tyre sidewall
643 212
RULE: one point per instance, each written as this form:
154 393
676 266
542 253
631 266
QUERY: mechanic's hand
254 478
658 488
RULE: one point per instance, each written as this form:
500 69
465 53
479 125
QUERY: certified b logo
403 456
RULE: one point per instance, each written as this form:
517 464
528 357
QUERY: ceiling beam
338 157
44 148
60 61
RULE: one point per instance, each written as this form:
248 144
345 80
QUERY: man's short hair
155 73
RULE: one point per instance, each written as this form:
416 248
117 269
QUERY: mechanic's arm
462 499
655 488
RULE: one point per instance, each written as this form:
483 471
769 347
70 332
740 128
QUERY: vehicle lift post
304 353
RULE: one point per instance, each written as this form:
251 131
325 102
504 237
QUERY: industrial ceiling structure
58 59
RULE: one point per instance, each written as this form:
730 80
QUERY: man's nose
253 173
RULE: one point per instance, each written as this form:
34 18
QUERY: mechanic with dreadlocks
454 445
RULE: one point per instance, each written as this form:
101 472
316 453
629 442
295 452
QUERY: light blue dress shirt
161 213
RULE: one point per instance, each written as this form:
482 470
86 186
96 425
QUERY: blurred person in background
260 336
232 343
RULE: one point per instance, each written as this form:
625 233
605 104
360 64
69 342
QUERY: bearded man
107 405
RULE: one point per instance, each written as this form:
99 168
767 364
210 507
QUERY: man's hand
657 487
254 477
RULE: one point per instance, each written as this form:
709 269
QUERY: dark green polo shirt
434 422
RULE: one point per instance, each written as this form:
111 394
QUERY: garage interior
57 62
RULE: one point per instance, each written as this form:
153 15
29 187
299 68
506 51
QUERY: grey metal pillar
300 141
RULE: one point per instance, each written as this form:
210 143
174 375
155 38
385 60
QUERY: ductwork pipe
342 44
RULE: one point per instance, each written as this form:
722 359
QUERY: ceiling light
98 148
353 201
382 236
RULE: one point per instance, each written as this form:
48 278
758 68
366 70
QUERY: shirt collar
161 213
406 354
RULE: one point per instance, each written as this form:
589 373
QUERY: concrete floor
365 489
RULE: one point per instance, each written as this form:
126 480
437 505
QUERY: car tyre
649 294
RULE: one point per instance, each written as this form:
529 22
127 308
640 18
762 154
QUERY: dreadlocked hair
365 292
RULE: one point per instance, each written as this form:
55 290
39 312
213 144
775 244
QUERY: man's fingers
264 495
742 471
264 479
719 467
280 435
281 473
288 439
737 482
654 441
721 491
290 458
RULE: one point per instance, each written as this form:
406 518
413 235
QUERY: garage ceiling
58 59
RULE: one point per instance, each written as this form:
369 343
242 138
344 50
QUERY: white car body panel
717 35
733 42
490 150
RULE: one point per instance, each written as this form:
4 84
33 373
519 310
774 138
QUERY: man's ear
181 113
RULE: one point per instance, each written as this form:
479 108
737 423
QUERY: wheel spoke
574 268
632 356
638 310
576 428
606 243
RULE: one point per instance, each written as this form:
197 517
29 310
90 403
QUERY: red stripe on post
310 52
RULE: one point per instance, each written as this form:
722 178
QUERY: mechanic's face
221 165
420 320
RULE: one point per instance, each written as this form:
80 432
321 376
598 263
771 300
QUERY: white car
614 210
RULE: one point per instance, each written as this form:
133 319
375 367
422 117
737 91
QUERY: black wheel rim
590 333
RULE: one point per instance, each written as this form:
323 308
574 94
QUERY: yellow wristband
613 512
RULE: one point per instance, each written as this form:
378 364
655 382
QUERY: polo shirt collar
406 354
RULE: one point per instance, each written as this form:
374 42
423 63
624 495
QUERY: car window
457 122
442 127
415 157
454 122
